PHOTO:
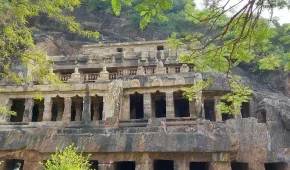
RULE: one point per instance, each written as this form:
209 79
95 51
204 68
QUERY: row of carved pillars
64 110
195 106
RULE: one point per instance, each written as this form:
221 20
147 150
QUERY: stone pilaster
67 109
28 165
106 166
125 115
198 101
28 106
169 105
96 110
78 111
144 166
192 110
256 166
220 166
181 165
147 105
217 100
59 112
6 104
47 109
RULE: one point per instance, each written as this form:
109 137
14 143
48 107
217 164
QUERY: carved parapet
104 75
75 78
140 71
184 68
160 69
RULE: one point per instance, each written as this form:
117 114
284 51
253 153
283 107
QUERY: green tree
17 43
67 159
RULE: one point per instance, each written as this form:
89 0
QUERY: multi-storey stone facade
122 103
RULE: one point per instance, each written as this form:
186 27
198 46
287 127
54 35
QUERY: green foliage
17 44
269 62
238 95
67 159
194 91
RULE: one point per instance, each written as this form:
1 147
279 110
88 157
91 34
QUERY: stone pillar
218 116
6 104
125 115
27 115
106 166
59 112
199 101
67 110
96 110
181 165
147 105
86 115
192 110
40 111
220 166
256 166
78 110
169 105
28 165
47 109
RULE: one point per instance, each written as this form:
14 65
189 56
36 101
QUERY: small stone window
160 47
119 50
262 116
239 166
10 163
94 164
163 165
125 165
276 166
199 166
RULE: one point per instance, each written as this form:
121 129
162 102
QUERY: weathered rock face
113 101
132 109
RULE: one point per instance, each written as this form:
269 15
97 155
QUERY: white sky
282 14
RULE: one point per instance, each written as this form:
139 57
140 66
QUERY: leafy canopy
67 159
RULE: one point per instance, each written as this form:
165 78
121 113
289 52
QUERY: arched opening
37 110
136 106
181 105
209 110
158 104
76 108
97 107
18 107
57 108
